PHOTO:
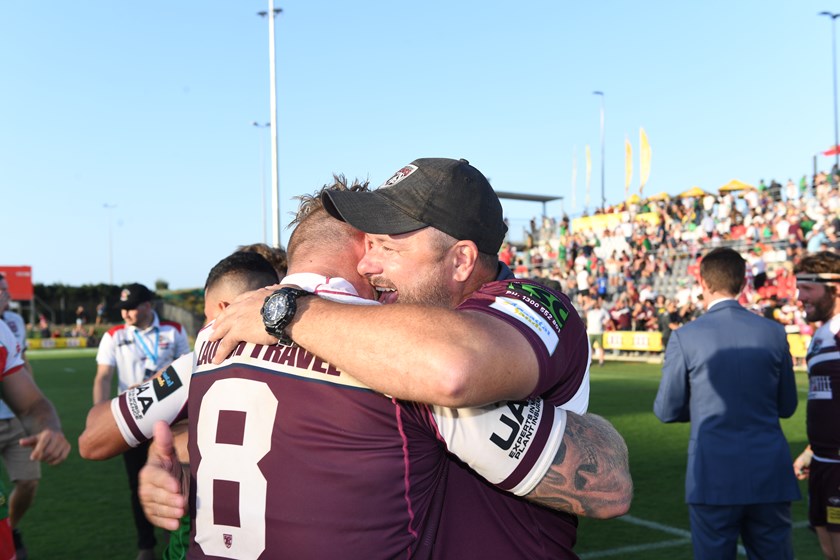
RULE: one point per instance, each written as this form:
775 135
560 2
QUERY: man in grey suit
730 374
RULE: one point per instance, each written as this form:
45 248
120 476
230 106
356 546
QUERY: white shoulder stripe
524 314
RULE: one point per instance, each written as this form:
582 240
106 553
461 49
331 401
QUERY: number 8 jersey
292 458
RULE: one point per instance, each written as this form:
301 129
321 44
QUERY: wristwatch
279 310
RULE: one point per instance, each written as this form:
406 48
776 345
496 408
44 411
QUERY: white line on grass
686 539
631 549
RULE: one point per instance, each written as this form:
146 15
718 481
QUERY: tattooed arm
590 475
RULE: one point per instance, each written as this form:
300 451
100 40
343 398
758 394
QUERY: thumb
162 443
30 441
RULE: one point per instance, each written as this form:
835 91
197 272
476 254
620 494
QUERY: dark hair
250 268
817 263
276 256
723 270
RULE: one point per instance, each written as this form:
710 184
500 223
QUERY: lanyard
146 351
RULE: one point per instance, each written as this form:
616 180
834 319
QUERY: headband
822 277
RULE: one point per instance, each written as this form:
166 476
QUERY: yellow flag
644 160
588 175
574 178
628 166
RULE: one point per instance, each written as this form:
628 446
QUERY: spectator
597 319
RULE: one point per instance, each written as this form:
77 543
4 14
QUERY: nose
369 264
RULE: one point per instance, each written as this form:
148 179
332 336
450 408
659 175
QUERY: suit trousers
765 530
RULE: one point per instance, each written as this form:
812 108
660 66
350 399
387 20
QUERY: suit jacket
730 374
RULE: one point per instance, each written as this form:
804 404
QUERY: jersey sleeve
510 444
556 333
163 397
105 354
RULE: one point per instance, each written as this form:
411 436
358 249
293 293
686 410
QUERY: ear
465 255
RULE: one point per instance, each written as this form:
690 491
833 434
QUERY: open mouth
386 295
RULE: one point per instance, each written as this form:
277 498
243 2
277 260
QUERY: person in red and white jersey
818 284
136 350
23 471
511 444
37 415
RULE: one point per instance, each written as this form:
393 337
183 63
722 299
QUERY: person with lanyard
137 350
817 279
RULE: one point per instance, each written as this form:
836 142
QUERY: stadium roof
529 197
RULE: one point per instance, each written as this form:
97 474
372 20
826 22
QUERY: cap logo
124 295
399 176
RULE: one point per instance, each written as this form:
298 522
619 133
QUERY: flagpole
834 72
603 196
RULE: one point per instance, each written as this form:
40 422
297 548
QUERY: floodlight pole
275 180
262 177
834 17
603 195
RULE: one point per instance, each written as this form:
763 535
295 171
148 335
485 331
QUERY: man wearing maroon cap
137 350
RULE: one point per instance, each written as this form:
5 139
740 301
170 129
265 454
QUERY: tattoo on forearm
590 475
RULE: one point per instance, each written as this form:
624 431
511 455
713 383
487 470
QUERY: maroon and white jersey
164 397
548 321
823 415
161 398
292 458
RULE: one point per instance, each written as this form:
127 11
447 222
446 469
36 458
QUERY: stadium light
834 72
275 181
603 196
262 175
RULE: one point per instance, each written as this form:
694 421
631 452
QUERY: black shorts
824 495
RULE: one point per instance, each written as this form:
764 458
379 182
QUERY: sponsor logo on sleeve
519 426
166 383
139 403
520 310
545 299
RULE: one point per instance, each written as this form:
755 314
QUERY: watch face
275 308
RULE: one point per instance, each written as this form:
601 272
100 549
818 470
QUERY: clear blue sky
148 106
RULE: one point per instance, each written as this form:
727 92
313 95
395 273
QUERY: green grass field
82 509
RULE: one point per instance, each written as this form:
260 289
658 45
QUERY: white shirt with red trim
18 327
11 353
139 354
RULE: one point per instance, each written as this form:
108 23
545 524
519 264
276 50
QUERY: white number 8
238 463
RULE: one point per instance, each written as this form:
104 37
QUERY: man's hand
802 464
163 482
50 446
241 321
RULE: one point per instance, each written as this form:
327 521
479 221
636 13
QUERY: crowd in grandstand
638 260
